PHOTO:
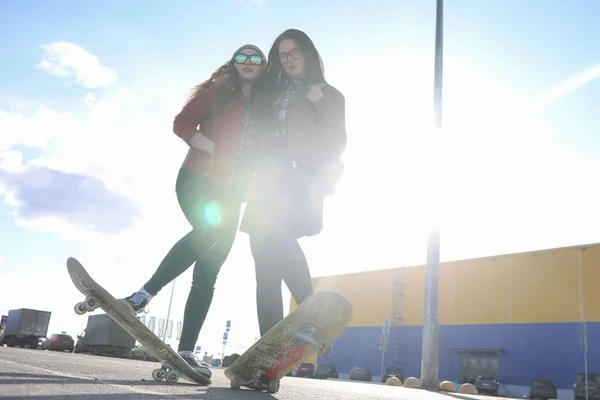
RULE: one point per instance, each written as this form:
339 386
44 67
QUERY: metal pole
582 324
585 364
383 350
430 358
169 312
383 341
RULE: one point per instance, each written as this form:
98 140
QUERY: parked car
388 372
542 389
361 373
305 369
488 384
141 353
593 386
324 371
59 342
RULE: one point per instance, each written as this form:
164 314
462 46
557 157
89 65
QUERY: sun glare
405 178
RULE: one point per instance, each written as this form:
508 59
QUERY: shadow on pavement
455 395
40 379
203 392
211 393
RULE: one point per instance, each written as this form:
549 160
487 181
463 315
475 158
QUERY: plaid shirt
283 105
246 135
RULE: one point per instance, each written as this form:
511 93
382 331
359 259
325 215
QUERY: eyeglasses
295 54
241 58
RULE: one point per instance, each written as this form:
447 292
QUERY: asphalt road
38 374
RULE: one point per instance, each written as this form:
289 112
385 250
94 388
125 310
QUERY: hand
202 143
314 94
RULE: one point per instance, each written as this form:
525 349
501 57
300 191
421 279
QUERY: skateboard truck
255 383
166 372
306 335
89 304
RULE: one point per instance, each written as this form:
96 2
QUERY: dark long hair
226 79
274 78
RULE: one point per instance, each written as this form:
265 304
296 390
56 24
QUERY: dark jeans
213 213
278 258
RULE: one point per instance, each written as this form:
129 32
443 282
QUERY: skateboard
173 365
309 329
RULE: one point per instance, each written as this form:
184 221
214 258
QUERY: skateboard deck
309 329
173 365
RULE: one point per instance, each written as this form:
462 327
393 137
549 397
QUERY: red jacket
223 130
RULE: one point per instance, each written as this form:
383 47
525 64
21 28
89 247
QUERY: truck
25 327
103 336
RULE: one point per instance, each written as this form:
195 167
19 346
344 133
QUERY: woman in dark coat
299 135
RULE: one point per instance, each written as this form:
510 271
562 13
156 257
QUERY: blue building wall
550 351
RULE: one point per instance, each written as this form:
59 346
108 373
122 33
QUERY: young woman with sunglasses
299 125
210 188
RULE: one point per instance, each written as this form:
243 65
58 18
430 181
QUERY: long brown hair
213 79
226 80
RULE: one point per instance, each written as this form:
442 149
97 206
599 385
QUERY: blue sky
88 159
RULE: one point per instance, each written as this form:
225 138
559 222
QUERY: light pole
169 312
430 358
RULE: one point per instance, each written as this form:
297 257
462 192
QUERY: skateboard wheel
236 383
327 350
158 374
172 377
273 387
80 308
91 304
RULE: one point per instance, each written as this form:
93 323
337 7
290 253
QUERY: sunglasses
255 59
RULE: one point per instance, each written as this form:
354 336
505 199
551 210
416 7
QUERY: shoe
195 362
137 302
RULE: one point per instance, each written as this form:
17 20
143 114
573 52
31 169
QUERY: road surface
44 375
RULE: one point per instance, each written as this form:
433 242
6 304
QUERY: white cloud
44 193
35 130
89 100
66 59
123 147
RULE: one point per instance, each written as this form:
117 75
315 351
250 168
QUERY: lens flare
212 213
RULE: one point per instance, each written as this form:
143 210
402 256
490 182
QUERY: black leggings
207 245
277 258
